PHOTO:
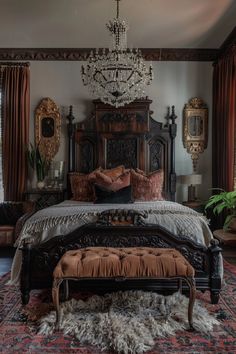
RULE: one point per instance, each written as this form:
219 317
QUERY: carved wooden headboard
127 136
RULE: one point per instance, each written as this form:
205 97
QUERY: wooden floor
6 257
7 254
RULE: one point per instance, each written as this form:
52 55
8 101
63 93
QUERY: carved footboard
120 230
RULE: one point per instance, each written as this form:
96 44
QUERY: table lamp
191 181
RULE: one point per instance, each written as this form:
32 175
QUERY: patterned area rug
18 325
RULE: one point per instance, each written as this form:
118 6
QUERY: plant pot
32 179
232 225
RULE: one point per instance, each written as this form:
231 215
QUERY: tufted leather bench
125 263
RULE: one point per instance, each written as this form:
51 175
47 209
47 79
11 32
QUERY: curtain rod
10 63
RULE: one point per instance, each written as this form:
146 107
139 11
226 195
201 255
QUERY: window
1 181
235 161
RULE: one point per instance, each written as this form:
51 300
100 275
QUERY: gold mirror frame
195 128
47 128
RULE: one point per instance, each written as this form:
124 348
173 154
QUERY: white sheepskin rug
127 322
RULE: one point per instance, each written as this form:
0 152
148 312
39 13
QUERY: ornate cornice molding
179 54
80 54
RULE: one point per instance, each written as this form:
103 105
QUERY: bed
111 137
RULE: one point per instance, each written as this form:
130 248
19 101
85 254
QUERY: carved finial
70 118
173 115
70 115
71 110
167 117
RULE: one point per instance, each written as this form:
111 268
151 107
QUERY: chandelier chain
117 8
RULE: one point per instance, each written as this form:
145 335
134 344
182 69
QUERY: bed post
71 148
215 271
173 130
25 284
71 143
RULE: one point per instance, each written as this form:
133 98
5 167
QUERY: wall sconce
191 181
195 128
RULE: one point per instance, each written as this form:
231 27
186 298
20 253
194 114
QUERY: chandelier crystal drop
120 75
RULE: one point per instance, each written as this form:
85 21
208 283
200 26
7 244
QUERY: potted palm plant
224 201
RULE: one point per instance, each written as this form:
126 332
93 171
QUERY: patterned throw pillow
147 187
81 187
112 184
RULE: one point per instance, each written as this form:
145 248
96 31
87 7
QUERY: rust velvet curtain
16 113
224 121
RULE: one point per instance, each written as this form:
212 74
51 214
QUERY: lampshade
191 179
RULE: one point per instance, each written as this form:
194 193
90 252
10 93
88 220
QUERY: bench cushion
105 262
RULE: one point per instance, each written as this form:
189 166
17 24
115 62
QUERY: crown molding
81 54
179 54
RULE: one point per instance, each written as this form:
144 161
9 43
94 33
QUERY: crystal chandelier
120 75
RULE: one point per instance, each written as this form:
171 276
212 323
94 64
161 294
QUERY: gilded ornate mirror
47 128
195 128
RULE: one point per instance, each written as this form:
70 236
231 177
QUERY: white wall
174 84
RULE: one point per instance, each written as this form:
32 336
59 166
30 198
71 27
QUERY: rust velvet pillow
113 179
115 172
147 187
99 178
81 187
112 184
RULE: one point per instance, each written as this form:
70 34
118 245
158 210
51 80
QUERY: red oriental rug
18 325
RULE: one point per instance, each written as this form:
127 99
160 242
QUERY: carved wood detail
121 119
86 158
156 156
127 136
121 151
120 228
81 54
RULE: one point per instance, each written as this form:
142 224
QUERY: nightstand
226 238
45 197
197 205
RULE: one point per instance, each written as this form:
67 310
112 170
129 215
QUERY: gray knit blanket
65 217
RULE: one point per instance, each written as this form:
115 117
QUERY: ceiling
81 23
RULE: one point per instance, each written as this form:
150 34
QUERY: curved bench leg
180 285
65 294
192 296
66 289
215 295
56 300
